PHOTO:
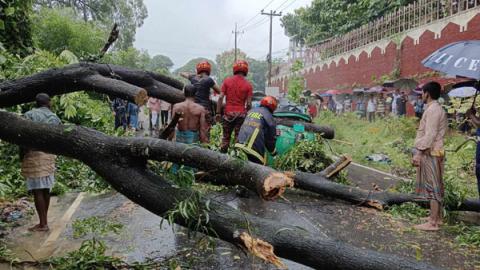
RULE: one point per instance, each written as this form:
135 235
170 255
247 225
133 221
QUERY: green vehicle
287 136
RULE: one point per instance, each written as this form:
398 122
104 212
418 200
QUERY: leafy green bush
306 156
56 30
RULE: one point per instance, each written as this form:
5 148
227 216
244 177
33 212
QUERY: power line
256 15
288 5
283 3
256 25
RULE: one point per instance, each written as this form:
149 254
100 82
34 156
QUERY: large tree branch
76 77
65 80
128 175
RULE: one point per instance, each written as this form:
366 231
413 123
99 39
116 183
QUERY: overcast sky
185 29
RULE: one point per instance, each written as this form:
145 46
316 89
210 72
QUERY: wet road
142 237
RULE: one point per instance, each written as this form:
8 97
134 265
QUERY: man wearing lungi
429 155
38 167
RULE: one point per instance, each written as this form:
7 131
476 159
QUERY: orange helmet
240 66
269 102
204 66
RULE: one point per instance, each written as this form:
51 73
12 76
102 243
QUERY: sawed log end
141 97
275 185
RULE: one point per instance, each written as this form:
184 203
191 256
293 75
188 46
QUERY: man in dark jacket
258 131
203 84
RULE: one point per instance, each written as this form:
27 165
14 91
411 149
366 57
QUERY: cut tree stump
122 163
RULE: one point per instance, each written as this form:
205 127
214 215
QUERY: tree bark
377 199
128 175
102 78
324 131
170 129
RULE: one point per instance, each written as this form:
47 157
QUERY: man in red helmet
203 84
258 132
238 93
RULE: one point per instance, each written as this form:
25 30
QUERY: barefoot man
429 155
38 167
193 126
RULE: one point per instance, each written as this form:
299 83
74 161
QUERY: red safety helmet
240 66
204 66
269 102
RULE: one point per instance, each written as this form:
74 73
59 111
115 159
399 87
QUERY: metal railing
403 19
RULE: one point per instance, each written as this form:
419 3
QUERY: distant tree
328 18
130 57
257 68
160 62
15 26
225 61
296 82
257 74
56 30
128 14
190 66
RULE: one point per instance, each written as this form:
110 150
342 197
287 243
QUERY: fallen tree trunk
129 175
324 131
377 199
125 83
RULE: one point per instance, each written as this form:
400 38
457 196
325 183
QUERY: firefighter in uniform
258 132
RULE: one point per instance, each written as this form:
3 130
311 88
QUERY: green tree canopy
130 57
257 68
190 66
160 62
128 14
56 30
15 26
328 18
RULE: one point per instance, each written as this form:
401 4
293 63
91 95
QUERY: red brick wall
361 72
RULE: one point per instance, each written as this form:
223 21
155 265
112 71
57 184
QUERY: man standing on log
193 125
203 83
238 93
38 167
258 132
429 155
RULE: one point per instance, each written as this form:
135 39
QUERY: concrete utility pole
236 35
269 59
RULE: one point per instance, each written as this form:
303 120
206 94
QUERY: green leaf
2 25
9 11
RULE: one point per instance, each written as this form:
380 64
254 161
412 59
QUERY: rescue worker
258 132
238 93
203 84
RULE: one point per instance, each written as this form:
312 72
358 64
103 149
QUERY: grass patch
394 137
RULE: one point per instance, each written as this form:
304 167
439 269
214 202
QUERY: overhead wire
256 25
288 5
256 15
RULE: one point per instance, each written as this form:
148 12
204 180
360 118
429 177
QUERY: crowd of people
369 106
155 114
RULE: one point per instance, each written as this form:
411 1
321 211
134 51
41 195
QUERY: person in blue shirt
132 111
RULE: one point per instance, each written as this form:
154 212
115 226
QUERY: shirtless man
203 84
193 126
